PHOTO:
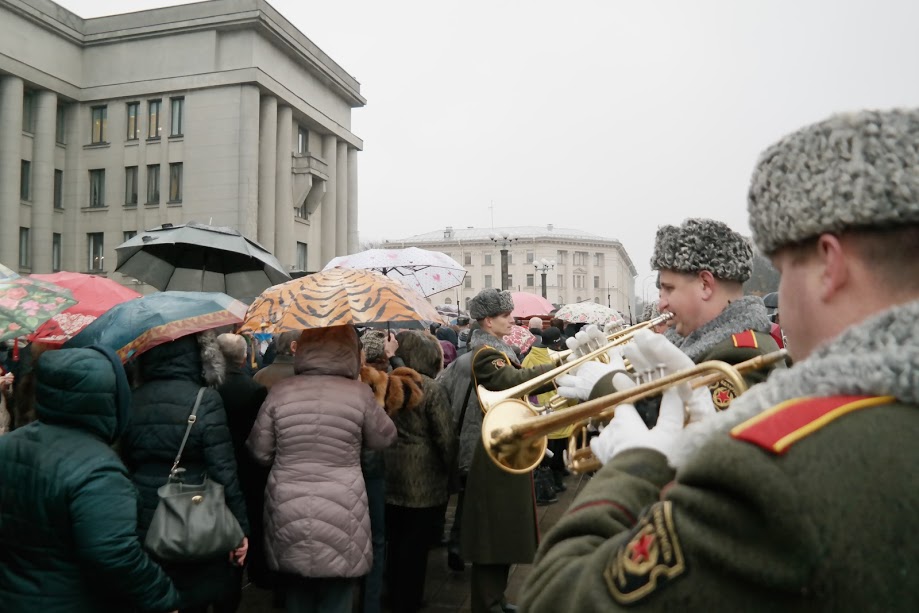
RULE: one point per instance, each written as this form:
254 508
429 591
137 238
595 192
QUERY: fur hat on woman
490 302
703 244
858 170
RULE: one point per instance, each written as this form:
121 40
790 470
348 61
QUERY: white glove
587 340
628 431
656 351
578 385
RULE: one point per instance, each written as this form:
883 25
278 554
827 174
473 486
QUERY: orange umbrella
338 297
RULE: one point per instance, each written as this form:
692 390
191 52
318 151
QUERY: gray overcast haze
609 116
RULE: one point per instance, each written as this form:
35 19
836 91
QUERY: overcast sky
608 116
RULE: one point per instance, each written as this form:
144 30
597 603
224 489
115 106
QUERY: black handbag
191 521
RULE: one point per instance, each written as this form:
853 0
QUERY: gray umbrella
199 257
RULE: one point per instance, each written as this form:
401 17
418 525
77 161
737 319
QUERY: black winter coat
172 376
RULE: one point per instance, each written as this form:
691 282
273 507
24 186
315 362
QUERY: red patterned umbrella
520 337
94 295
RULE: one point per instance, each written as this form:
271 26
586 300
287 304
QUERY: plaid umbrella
136 326
338 297
26 303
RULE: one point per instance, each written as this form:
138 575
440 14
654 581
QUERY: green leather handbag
191 521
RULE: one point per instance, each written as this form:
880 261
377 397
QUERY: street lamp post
503 241
544 266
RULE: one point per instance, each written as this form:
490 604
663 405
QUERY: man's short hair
283 341
233 347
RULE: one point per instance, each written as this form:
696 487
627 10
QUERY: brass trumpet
515 435
617 338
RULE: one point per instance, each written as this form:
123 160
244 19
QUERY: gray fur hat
489 303
703 244
373 342
857 170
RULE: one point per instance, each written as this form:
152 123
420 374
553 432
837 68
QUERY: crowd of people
339 454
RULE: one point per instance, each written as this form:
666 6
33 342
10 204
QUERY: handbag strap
192 418
459 425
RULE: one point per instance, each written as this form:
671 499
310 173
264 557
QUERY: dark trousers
489 581
231 600
372 584
325 595
454 543
408 535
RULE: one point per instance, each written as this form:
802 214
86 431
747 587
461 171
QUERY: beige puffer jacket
310 430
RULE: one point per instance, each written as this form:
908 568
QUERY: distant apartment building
220 112
586 267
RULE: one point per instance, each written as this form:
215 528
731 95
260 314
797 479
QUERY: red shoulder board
745 340
787 423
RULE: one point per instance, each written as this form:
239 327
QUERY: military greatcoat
499 516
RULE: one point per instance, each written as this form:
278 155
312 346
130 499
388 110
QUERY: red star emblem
723 396
640 549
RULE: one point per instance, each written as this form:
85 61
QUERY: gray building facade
220 112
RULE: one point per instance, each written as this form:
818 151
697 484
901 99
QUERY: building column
267 159
353 237
11 90
284 199
341 200
72 256
247 178
43 180
329 201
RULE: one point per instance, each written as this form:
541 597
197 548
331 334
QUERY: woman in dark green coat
68 511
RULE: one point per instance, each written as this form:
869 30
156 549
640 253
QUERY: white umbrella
426 272
588 312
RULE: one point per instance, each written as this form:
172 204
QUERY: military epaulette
745 340
785 424
497 362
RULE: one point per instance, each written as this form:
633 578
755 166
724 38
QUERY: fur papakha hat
489 303
857 170
703 244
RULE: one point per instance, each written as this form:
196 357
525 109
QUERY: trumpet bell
517 457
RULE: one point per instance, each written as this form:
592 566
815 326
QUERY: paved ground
447 591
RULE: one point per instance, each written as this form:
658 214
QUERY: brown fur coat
394 391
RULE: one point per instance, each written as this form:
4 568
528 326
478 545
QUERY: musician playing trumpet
802 496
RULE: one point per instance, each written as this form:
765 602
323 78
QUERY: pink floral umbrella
25 304
426 272
520 337
530 305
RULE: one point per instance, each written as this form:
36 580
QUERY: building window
447 301
580 258
510 281
529 257
153 184
153 119
128 235
303 140
488 281
176 116
561 257
24 248
59 189
60 126
596 282
531 279
597 300
598 260
28 111
96 188
467 259
301 256
510 257
133 120
55 252
175 182
561 281
100 124
487 260
130 186
96 251
467 282
25 180
468 300
579 282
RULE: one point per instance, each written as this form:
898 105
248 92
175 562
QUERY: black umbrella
199 257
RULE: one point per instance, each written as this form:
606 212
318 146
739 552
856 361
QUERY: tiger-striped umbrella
338 297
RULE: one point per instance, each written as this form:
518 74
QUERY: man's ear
834 274
293 347
708 284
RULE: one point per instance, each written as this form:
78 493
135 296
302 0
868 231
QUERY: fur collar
879 356
480 338
213 364
747 313
395 391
